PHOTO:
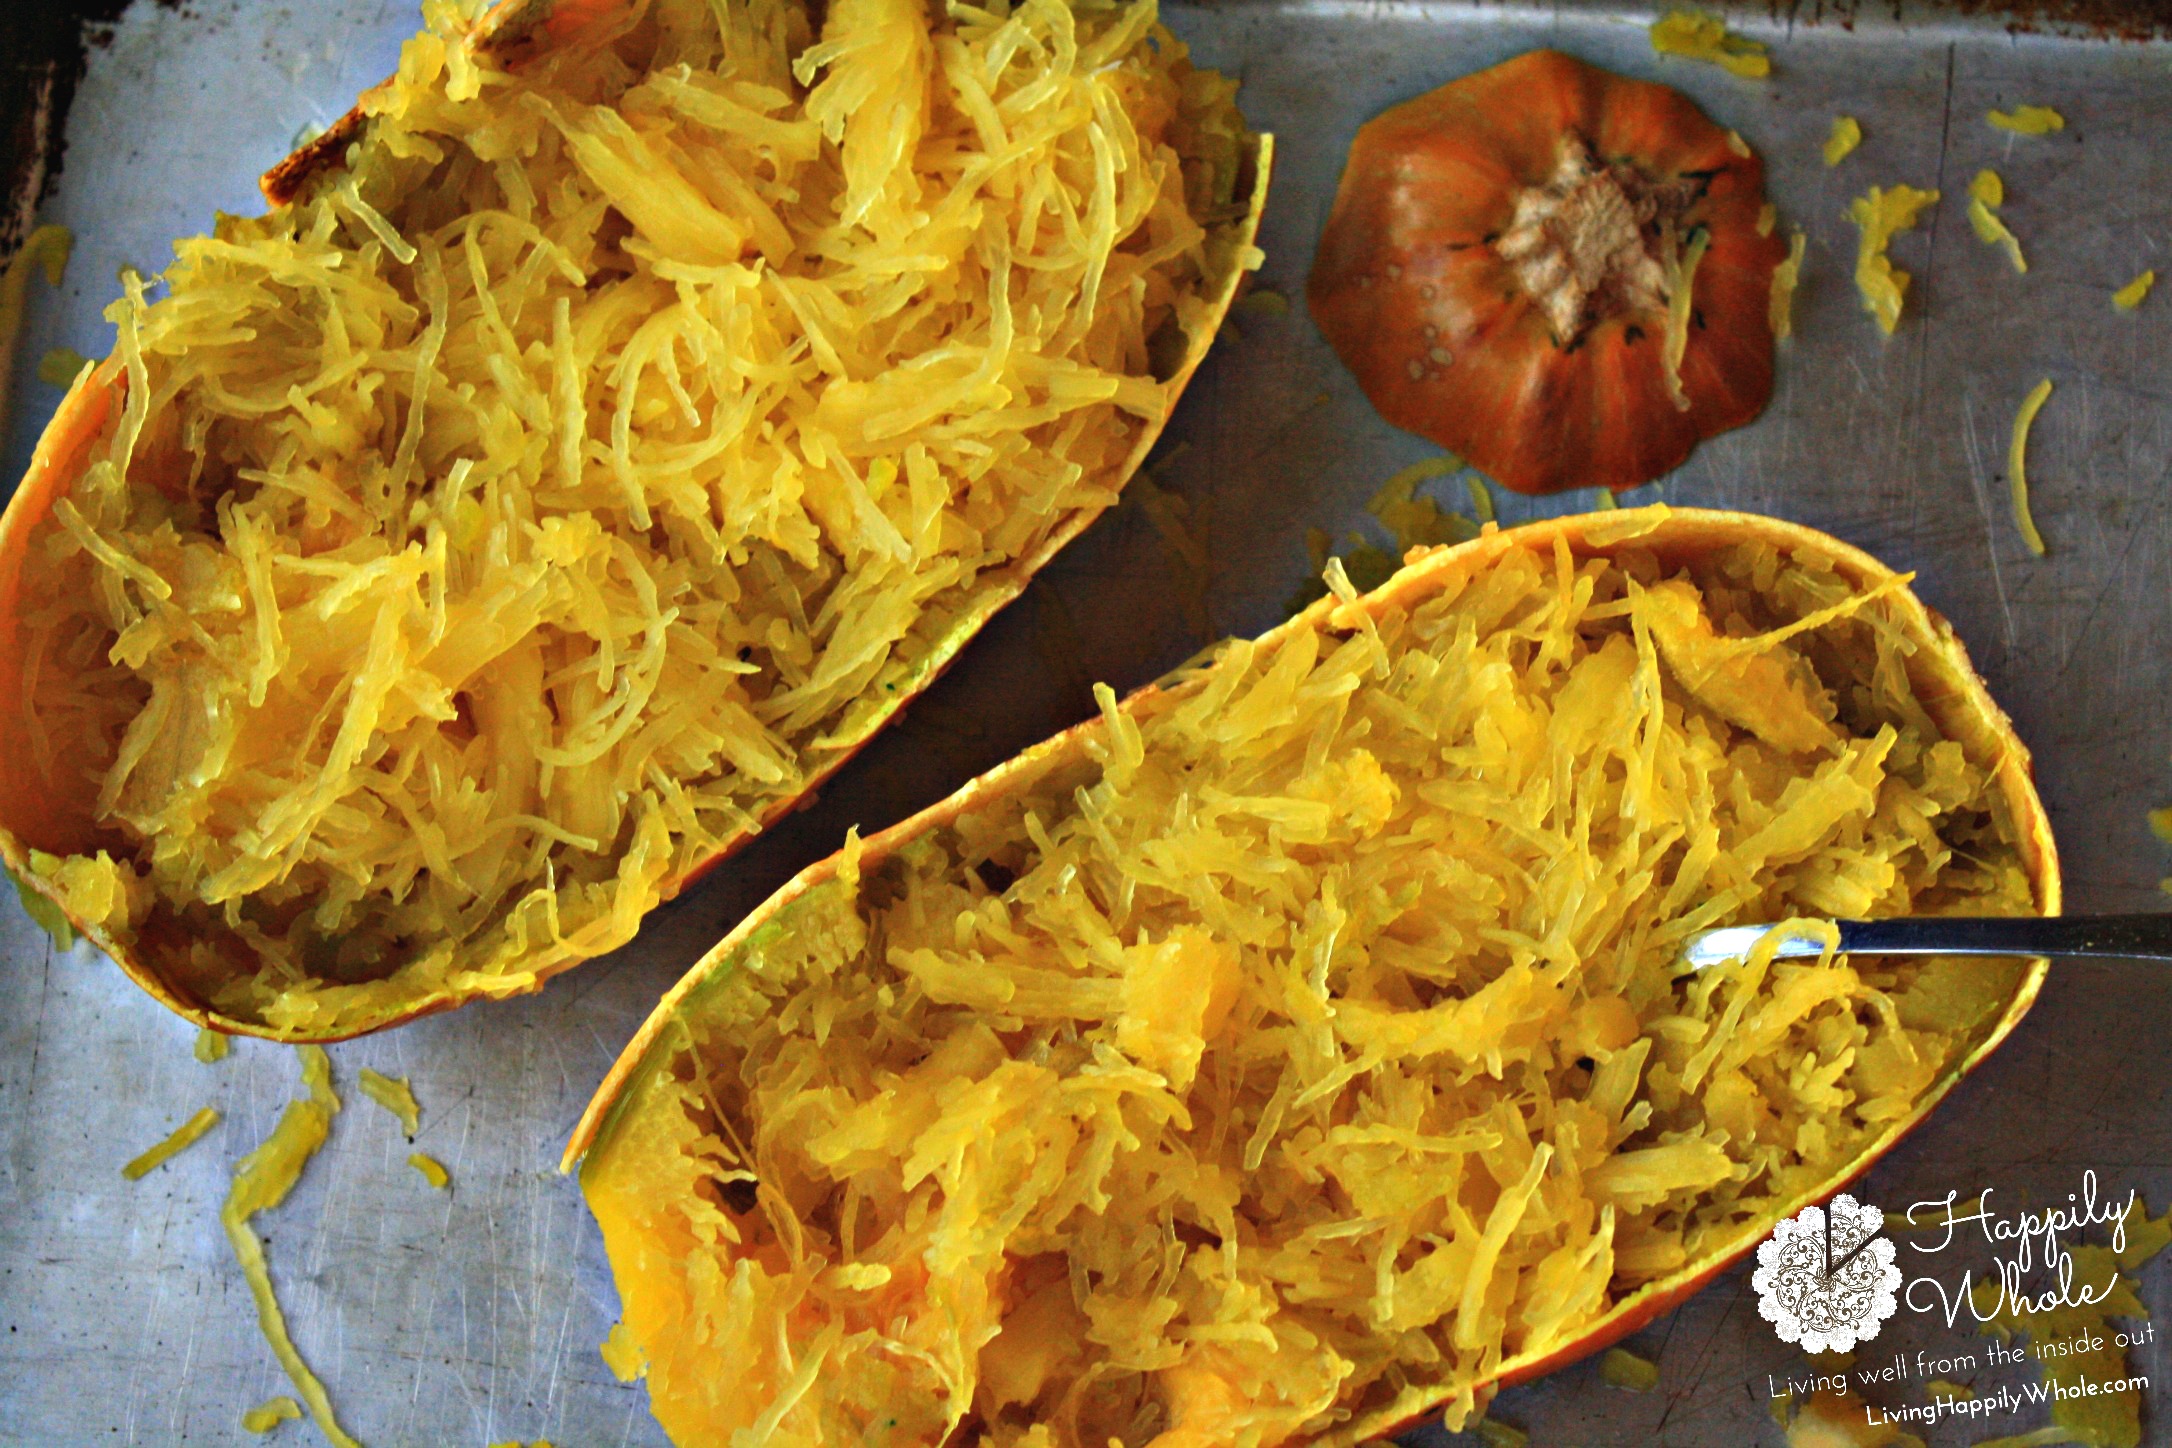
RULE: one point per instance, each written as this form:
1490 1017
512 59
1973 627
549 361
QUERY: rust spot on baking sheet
2097 19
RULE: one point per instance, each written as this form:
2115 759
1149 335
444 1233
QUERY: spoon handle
2088 937
2085 937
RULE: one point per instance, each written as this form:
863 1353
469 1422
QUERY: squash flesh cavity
528 512
1304 1048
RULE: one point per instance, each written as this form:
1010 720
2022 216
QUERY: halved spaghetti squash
1302 1045
631 404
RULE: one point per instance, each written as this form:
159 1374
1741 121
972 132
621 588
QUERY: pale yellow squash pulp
1302 1044
594 452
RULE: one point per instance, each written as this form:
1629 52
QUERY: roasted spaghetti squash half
619 416
1302 1045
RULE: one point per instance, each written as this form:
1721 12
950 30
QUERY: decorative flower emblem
1827 1279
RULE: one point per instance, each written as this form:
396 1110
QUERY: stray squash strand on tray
542 502
1309 1041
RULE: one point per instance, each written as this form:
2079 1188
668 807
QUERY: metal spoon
2087 937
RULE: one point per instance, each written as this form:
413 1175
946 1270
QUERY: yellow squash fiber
396 1096
1624 1369
1786 278
1847 134
270 1414
548 497
184 1136
2017 466
262 1180
1986 194
2027 120
620 1354
1301 1045
1880 214
45 250
1698 36
1674 341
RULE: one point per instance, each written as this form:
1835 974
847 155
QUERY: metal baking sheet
473 1317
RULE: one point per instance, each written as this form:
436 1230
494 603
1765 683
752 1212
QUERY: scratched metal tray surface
473 1316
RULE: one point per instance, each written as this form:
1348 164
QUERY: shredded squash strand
1986 194
1786 279
184 1136
2027 120
262 1180
45 250
1681 301
1879 215
394 1094
1624 1369
43 913
2017 459
1316 1043
1697 36
1846 135
621 1354
270 1414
